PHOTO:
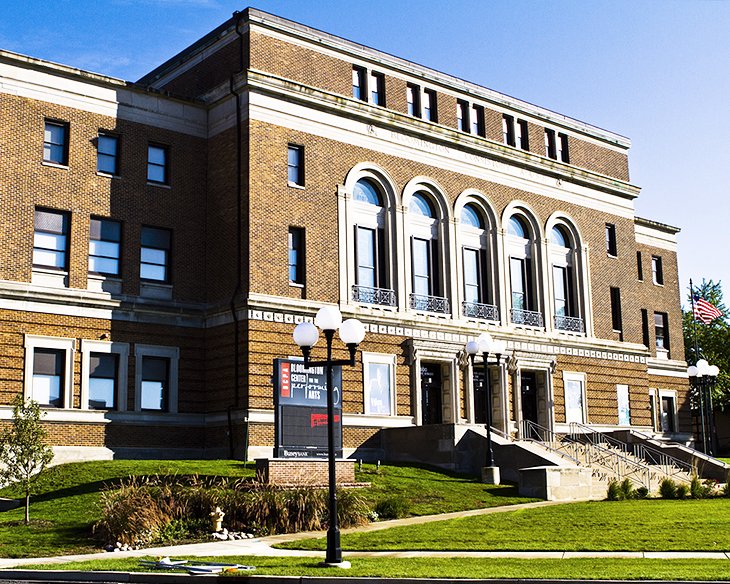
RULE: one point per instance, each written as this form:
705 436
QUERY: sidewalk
263 546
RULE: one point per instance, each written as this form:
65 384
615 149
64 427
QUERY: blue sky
656 71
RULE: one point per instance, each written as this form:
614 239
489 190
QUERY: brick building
162 238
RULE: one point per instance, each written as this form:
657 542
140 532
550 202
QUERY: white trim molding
33 342
171 353
120 349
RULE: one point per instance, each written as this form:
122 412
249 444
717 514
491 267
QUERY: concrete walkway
262 546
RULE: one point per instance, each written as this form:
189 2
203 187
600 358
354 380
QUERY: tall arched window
478 296
566 305
372 280
522 275
427 287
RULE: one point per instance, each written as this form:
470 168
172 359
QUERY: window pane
471 275
156 155
47 390
152 272
49 241
559 284
50 221
154 256
54 133
107 249
516 227
101 393
103 265
378 388
156 173
54 153
421 267
366 257
108 145
419 205
49 259
153 393
106 163
470 216
366 192
154 237
517 267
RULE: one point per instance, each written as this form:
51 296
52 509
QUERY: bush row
668 489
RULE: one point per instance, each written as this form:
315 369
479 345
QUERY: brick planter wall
285 471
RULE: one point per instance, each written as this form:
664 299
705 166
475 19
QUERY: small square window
107 148
295 165
55 142
158 164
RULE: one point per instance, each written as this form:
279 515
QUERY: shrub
726 490
392 508
698 489
627 488
614 491
642 493
352 510
682 491
668 489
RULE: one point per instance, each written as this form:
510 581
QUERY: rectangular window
155 386
616 321
462 116
103 376
518 283
560 283
657 273
413 96
472 276
155 254
379 378
639 266
422 282
563 154
48 377
55 142
508 130
551 149
296 256
624 404
661 330
107 148
50 240
521 135
359 89
477 120
377 88
105 238
295 165
366 254
574 389
158 164
645 327
429 105
611 248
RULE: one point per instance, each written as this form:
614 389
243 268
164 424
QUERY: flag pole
694 321
701 385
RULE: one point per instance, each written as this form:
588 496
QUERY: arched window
522 273
427 287
372 278
563 260
478 295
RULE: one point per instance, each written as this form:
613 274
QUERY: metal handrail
589 433
654 452
530 428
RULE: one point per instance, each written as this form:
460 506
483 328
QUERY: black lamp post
352 332
703 377
485 345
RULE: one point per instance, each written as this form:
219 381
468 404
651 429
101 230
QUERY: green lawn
431 492
643 525
66 507
578 569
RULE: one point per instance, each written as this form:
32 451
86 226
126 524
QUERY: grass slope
578 569
643 525
66 507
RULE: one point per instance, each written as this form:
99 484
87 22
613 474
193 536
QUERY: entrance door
529 396
431 393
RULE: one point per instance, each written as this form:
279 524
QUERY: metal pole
701 392
334 551
488 390
711 421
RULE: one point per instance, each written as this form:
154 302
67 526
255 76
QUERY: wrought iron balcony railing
573 324
528 317
368 295
430 303
477 310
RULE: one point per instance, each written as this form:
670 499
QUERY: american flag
704 311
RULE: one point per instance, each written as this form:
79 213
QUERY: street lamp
485 344
352 332
703 377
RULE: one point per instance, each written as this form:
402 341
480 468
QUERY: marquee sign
300 402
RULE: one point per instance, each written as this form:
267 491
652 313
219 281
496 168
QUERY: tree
712 340
23 450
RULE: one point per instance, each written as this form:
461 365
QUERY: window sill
660 284
49 278
296 285
159 185
102 283
54 165
613 257
295 186
154 290
107 174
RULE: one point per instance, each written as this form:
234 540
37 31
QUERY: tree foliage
24 453
710 341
